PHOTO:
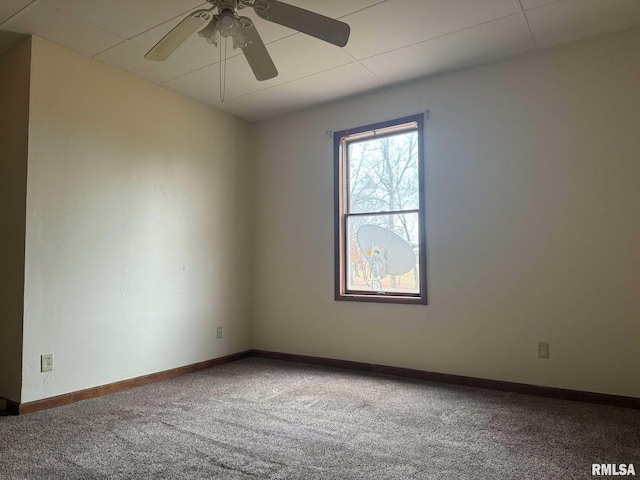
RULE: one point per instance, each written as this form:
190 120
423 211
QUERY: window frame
341 141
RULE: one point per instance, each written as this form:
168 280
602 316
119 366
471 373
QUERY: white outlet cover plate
46 362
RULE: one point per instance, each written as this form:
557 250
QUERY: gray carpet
264 419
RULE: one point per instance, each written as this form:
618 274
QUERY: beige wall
14 134
533 224
137 231
139 225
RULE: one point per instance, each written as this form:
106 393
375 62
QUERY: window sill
398 299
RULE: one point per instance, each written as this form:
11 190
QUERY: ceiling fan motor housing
225 5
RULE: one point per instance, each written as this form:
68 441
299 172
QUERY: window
379 212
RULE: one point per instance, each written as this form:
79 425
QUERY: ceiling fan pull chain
223 65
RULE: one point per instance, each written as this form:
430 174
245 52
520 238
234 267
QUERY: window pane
383 174
383 253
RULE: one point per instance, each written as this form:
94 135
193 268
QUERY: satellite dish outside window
386 252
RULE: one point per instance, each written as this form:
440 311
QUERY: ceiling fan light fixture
210 32
228 25
240 40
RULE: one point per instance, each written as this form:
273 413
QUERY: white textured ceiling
391 41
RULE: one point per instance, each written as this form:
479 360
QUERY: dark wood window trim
340 199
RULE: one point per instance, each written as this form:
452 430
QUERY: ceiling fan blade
256 53
178 35
314 24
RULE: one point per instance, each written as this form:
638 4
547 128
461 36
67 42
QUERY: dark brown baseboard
15 408
550 392
93 392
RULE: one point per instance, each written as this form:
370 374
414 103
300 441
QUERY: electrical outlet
219 332
46 362
543 349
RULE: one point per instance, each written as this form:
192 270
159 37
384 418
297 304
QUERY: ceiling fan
222 20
